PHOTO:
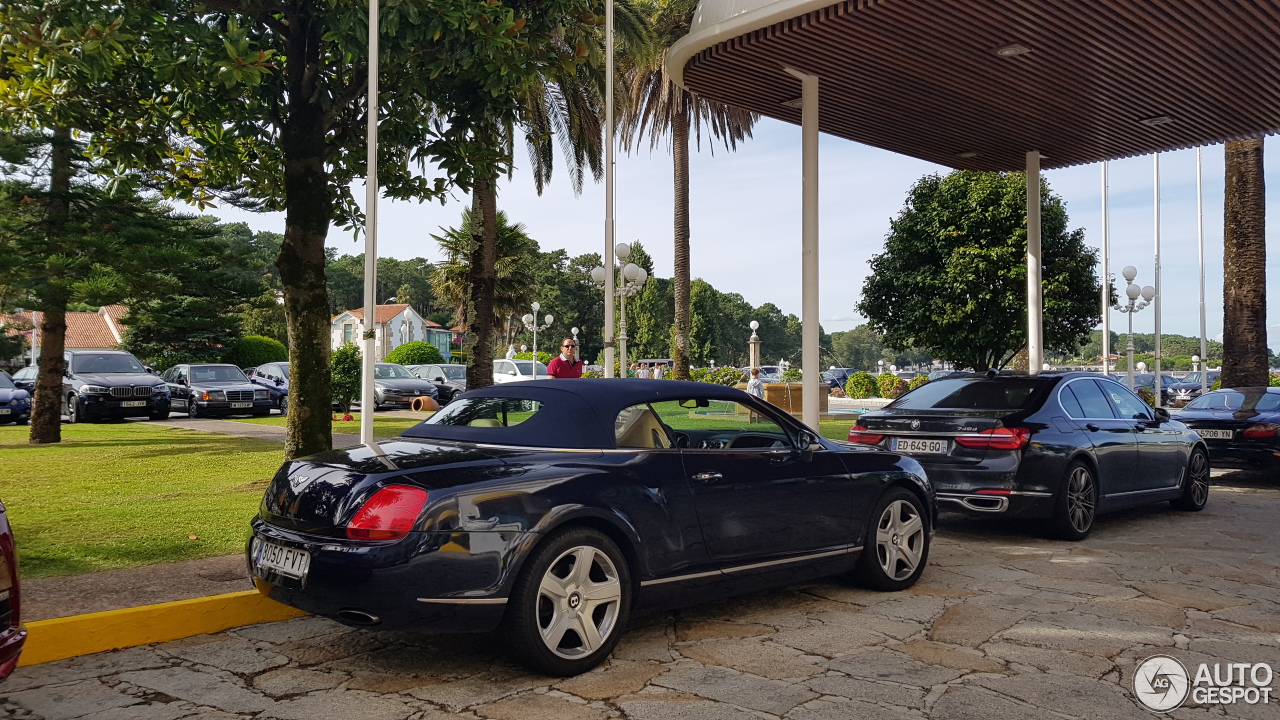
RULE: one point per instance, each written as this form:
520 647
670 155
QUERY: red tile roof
384 314
89 330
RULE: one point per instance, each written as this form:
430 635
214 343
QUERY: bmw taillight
389 515
859 434
1012 438
1261 430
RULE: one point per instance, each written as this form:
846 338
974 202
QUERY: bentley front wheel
896 548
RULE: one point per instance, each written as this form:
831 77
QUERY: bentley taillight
1257 431
389 515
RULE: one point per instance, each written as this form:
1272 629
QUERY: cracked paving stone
649 642
972 625
954 657
1262 615
340 705
288 631
315 651
1142 610
1077 696
98 665
827 641
232 654
1082 587
882 664
718 629
488 687
970 703
1052 661
667 707
828 710
619 677
153 711
1212 629
1189 596
199 688
866 690
294 681
540 707
731 686
1086 634
919 608
840 622
766 659
77 699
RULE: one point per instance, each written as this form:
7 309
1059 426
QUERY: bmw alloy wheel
1081 499
1195 493
579 601
900 540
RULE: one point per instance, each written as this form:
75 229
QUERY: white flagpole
1204 342
1157 305
370 238
609 273
1106 274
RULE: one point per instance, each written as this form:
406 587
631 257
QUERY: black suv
103 384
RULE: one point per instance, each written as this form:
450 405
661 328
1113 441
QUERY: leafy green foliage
719 376
408 281
1146 395
952 277
415 353
254 350
792 375
344 369
917 381
1273 380
543 357
890 385
860 386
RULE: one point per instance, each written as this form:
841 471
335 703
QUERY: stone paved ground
1002 626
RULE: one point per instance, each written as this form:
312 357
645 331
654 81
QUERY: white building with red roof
101 330
394 325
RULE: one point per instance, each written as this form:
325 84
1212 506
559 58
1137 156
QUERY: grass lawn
836 429
388 426
126 494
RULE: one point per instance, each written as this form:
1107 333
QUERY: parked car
26 378
274 377
838 377
1147 381
103 384
15 403
1241 426
505 371
1188 388
555 508
216 389
395 386
448 379
944 373
1059 447
12 632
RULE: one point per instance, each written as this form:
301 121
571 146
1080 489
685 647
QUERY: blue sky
745 217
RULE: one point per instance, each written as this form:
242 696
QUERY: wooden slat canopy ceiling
923 78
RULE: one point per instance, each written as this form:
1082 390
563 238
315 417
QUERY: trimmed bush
917 381
860 386
255 350
1147 396
344 368
891 386
720 376
415 353
543 357
792 375
1273 380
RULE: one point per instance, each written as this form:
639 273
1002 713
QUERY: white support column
1204 342
1157 301
608 195
1035 290
1106 273
370 239
810 363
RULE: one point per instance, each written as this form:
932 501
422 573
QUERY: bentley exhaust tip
358 617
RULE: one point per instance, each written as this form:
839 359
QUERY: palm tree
657 107
513 276
1244 284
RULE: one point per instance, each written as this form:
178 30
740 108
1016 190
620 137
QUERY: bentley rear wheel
896 548
570 604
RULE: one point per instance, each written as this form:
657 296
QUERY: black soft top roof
576 413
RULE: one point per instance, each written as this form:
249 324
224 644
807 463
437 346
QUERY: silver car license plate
287 561
133 403
916 445
238 405
1216 434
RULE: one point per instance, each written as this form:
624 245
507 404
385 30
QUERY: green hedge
255 350
344 366
416 353
543 357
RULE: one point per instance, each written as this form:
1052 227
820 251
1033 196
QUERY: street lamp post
1195 363
1133 292
753 346
879 367
531 323
631 282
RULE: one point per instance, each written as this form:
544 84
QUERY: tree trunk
683 323
309 210
1244 283
480 322
46 410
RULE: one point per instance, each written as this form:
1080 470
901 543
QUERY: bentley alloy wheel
568 608
897 546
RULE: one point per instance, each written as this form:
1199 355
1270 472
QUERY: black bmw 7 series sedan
554 509
1061 447
1241 426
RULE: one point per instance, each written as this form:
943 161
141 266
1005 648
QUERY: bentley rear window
486 412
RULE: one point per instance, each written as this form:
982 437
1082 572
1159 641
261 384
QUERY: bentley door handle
1091 427
708 476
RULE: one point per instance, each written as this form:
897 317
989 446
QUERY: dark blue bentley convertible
553 509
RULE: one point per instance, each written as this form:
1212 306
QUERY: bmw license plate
1216 434
914 445
133 403
238 405
290 562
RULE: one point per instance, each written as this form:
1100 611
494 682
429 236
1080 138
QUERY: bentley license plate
236 406
5 411
913 445
1216 434
133 403
287 561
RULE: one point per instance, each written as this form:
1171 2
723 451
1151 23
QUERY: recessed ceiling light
1013 50
1158 120
967 155
793 103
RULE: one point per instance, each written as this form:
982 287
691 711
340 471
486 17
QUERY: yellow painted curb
61 638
